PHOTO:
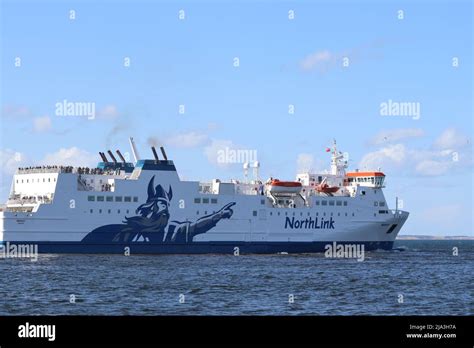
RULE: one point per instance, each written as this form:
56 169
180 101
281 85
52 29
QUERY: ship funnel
102 155
120 155
164 153
154 153
136 157
112 156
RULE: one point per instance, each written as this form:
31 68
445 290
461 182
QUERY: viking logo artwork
152 222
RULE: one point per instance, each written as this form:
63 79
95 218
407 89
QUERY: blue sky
283 61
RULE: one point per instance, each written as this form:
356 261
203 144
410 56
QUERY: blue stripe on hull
195 247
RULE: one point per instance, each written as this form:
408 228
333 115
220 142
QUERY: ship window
54 179
22 181
286 213
135 199
205 212
308 213
324 214
254 213
214 200
128 211
197 213
362 193
338 214
376 204
118 211
331 214
278 213
339 203
17 181
109 199
127 199
271 213
27 181
301 214
118 198
345 203
197 200
205 200
109 211
346 214
262 201
331 202
324 202
352 214
100 198
91 198
317 202
100 211
317 214
49 179
382 204
92 210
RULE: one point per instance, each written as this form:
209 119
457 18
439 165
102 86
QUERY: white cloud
72 156
394 135
108 112
15 111
212 151
451 139
440 159
42 124
224 153
387 157
212 126
433 167
187 140
318 60
10 160
324 60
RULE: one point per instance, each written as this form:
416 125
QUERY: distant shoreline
427 237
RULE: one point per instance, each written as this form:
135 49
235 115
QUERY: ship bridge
370 179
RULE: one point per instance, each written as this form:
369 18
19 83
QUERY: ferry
141 206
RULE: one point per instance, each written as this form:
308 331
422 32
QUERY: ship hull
234 248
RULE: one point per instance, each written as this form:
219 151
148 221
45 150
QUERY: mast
136 157
338 164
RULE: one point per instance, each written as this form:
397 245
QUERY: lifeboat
325 188
277 186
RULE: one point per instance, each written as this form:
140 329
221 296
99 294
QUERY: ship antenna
136 157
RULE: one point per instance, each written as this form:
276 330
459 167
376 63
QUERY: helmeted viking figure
152 222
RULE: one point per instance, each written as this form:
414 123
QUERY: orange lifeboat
325 188
277 186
